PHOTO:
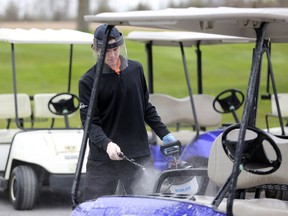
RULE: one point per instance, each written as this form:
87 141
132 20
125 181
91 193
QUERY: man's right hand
112 150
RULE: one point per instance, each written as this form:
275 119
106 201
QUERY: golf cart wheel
23 188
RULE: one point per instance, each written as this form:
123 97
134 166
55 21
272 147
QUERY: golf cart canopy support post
15 86
199 68
268 95
190 91
70 68
248 119
91 109
270 76
149 52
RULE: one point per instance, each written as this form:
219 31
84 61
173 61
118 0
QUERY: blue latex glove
168 139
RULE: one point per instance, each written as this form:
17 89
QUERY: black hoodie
121 112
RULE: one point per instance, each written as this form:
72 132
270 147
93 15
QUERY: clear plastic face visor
112 44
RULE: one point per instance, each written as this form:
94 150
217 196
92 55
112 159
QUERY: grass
44 68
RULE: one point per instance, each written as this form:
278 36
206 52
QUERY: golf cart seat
177 111
41 109
7 112
206 115
283 103
220 166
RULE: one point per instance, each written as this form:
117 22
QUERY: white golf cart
243 158
32 156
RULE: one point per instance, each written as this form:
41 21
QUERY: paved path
47 205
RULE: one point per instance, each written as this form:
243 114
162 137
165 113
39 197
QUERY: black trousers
102 177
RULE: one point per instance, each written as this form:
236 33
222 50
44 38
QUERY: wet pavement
48 204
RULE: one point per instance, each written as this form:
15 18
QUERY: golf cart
243 158
39 144
204 120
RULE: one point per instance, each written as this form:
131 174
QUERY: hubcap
13 188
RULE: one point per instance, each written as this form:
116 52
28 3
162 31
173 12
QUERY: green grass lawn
44 68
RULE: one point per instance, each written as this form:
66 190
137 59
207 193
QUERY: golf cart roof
46 36
173 38
220 20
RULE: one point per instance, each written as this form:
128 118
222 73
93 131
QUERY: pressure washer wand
121 154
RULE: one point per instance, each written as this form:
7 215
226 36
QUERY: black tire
23 188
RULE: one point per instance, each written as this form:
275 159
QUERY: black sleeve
151 116
96 134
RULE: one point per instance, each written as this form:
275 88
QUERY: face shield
116 54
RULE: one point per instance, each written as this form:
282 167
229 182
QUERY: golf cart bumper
64 182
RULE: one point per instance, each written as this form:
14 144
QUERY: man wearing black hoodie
118 124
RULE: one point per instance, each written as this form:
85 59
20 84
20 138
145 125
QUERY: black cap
115 34
100 32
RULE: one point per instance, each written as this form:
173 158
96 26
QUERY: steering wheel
229 100
254 158
63 104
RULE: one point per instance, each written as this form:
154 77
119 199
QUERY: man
118 123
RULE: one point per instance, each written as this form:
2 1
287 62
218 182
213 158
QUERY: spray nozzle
121 154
